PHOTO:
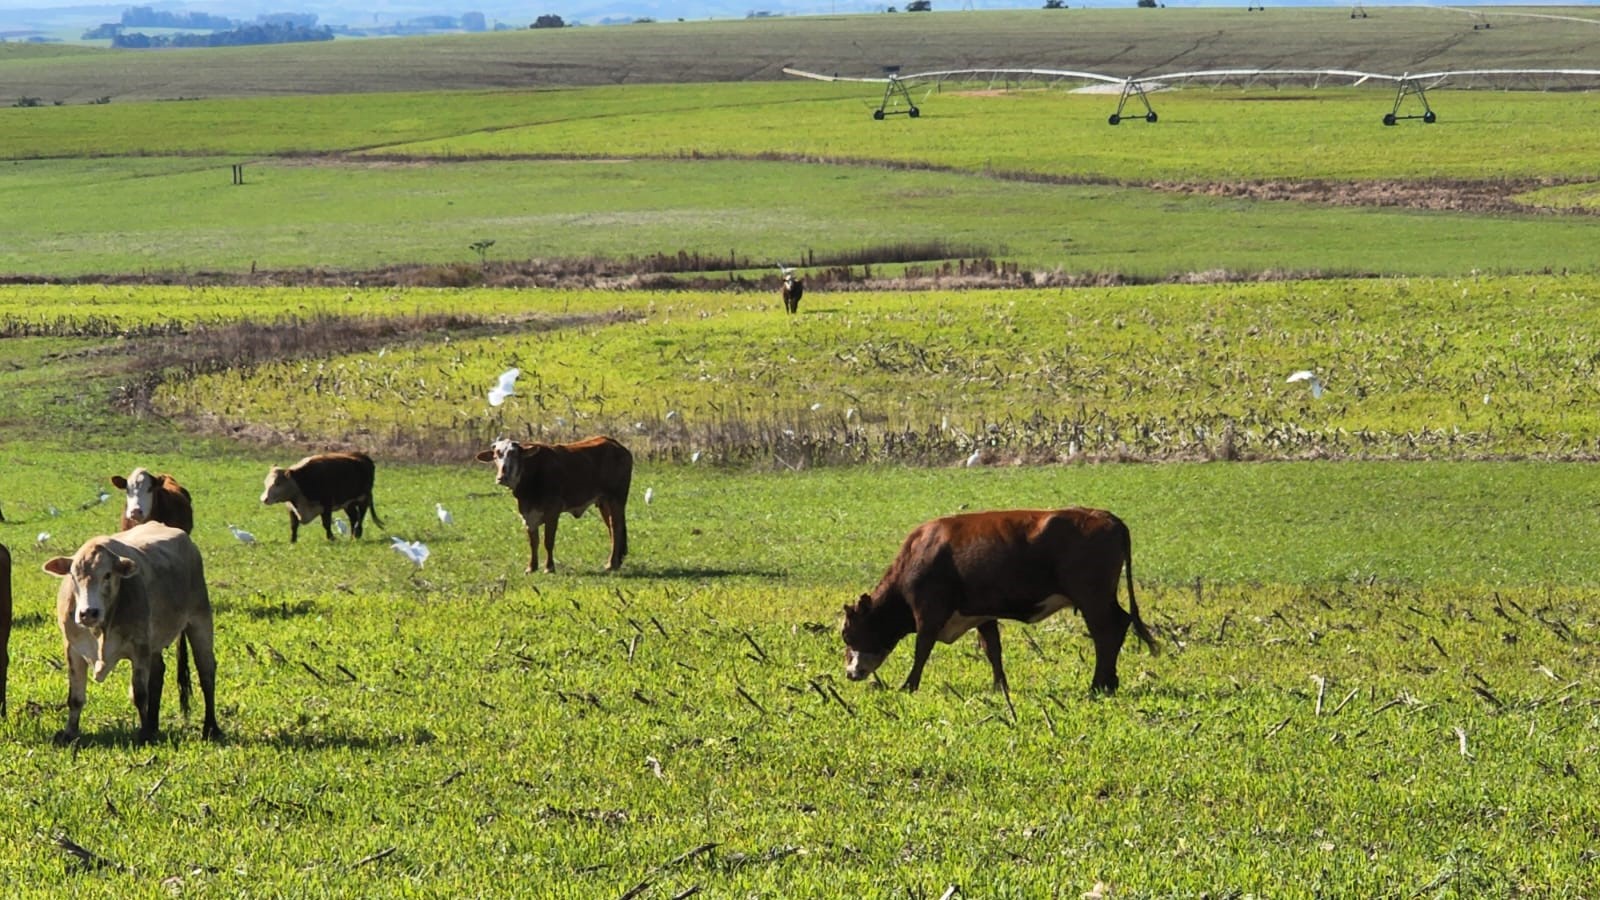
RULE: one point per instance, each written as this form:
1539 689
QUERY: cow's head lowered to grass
865 646
95 573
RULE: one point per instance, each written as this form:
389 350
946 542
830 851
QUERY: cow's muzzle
89 617
859 666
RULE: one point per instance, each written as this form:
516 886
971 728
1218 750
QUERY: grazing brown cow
5 622
549 479
321 485
794 287
127 596
963 572
155 498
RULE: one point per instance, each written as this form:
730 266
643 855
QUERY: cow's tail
372 510
184 688
1133 602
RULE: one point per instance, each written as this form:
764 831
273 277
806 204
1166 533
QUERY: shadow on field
694 572
282 610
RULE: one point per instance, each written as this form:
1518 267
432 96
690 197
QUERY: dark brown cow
549 479
793 289
963 572
5 622
321 485
127 596
155 498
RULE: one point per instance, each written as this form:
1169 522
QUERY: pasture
1115 41
1375 606
780 172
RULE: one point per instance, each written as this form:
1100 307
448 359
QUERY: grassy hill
1118 42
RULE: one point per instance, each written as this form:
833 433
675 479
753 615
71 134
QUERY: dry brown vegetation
1446 194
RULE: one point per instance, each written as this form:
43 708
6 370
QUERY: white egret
416 551
243 536
649 494
444 514
505 387
1310 376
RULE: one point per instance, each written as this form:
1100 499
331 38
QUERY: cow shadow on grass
697 572
123 737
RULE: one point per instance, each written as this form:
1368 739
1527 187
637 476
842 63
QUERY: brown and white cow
5 622
794 287
969 571
127 596
550 479
155 498
320 485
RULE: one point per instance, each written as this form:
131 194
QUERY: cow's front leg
533 547
327 522
616 519
989 642
77 691
1109 629
294 526
550 542
147 678
927 636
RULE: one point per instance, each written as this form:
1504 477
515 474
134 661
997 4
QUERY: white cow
127 596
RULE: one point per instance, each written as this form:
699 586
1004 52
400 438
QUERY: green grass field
1377 622
617 173
1115 41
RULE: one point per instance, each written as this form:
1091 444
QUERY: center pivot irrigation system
896 93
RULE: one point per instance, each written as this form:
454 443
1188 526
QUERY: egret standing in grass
244 537
444 514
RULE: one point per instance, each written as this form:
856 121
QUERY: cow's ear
118 482
485 455
61 565
124 567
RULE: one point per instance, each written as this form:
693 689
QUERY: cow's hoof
213 733
145 737
63 738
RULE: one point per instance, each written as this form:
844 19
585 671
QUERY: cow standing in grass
550 479
160 498
321 485
967 572
794 287
127 596
155 498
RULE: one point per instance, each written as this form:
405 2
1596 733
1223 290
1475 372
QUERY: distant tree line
262 33
549 20
150 17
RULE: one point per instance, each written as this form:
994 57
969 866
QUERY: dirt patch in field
1500 196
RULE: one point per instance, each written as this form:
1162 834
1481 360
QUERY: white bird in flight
244 537
1308 375
505 387
416 551
446 518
